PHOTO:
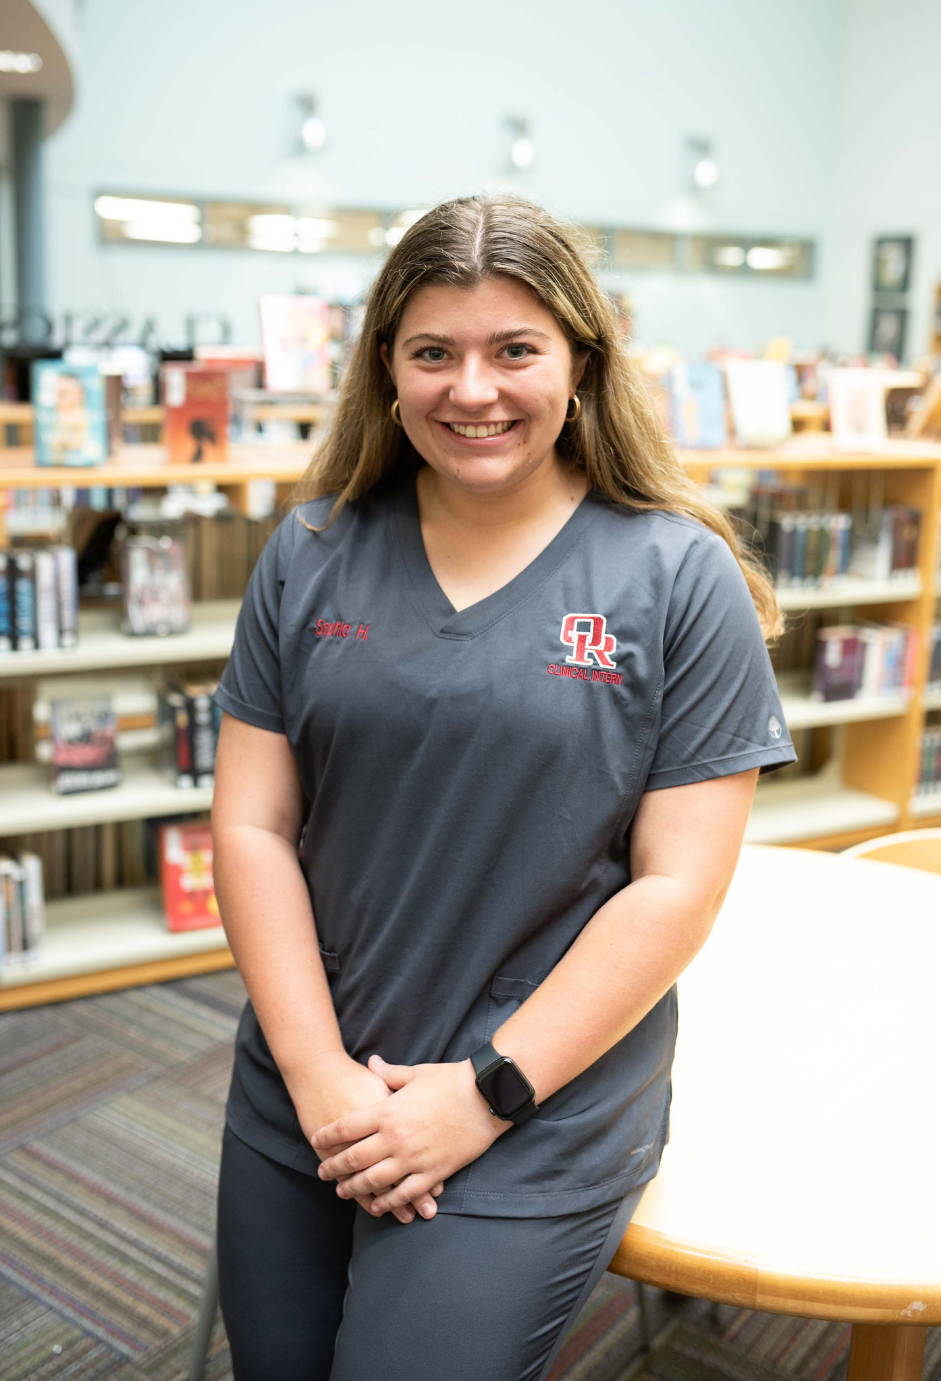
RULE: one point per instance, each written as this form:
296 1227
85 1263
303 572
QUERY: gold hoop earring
394 410
578 408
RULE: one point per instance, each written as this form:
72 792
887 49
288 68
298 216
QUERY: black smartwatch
508 1092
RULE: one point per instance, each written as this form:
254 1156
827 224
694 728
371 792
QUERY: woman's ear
579 365
384 356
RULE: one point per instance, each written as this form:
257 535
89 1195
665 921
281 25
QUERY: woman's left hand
435 1122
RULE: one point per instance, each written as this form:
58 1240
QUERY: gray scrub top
469 781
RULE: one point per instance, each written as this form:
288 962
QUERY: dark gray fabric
312 1287
470 780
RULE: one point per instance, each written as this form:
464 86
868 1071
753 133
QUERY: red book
189 899
196 413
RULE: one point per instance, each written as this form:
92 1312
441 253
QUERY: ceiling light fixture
313 129
23 63
522 148
704 168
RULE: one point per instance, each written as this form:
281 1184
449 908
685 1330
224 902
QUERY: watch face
505 1091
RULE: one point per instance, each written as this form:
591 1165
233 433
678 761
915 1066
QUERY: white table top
806 1121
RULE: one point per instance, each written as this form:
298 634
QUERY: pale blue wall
193 96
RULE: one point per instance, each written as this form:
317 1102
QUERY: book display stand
866 751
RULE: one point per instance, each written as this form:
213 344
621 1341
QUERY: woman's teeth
485 429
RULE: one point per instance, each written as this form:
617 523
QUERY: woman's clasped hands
434 1123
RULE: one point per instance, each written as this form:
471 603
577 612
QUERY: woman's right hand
338 1085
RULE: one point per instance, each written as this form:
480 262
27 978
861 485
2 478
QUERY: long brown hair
617 440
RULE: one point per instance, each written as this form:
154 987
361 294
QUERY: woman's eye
433 353
518 351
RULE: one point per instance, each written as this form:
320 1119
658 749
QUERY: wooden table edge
691 1268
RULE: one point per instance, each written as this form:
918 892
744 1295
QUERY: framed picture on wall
892 263
887 327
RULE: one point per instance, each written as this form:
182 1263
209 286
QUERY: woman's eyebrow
501 337
429 335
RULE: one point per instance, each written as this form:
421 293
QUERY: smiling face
483 376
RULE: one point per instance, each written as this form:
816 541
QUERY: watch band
485 1059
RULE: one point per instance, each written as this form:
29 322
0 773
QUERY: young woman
496 707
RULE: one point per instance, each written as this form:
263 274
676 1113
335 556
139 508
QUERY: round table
803 1171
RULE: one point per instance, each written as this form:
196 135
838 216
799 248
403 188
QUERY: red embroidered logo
585 634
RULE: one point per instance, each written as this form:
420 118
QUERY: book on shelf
69 413
297 343
929 764
856 401
697 405
759 401
191 731
155 588
133 695
196 413
864 660
934 663
84 744
22 907
885 542
189 898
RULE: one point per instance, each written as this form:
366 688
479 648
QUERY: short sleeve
250 685
720 710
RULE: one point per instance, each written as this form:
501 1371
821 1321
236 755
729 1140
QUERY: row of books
863 660
190 719
182 858
929 763
38 598
77 401
704 403
22 906
99 857
816 547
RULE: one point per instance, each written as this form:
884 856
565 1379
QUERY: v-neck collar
437 609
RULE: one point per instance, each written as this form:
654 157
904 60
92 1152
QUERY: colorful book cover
84 744
155 587
297 344
189 899
196 413
697 405
837 664
70 424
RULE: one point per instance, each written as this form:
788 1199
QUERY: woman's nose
474 386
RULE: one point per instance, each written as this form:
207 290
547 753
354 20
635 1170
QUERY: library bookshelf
867 749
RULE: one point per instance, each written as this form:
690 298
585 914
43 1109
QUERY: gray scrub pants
313 1288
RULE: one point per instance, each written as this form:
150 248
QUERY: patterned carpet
111 1113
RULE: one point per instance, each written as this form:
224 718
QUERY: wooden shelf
807 807
102 645
27 802
801 712
815 451
113 940
932 698
102 932
848 592
149 466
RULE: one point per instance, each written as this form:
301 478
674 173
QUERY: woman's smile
483 431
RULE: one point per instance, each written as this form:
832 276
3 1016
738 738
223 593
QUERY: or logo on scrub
585 634
774 727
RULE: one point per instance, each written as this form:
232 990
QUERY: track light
704 168
313 129
522 148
